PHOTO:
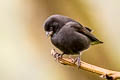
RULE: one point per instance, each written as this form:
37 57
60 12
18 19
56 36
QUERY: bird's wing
86 31
90 30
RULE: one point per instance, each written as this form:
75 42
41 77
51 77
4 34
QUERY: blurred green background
25 49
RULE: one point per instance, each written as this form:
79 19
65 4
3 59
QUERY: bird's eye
51 28
55 24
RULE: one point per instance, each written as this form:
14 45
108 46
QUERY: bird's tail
96 42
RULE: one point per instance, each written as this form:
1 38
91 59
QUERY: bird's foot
77 61
71 58
58 56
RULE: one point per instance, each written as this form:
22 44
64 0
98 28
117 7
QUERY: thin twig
104 73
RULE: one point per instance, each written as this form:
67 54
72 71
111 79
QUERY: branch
104 73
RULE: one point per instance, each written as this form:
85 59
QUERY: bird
69 35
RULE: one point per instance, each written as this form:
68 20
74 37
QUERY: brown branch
105 73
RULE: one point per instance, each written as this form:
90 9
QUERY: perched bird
69 35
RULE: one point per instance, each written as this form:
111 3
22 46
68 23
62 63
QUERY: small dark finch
69 35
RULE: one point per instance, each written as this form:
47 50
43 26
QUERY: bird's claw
58 56
77 61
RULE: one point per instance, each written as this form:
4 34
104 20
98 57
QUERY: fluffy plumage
69 35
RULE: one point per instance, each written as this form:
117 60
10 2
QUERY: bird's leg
77 60
71 58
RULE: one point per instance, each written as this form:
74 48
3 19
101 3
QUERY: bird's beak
49 33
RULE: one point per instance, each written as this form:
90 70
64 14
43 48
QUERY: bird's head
54 23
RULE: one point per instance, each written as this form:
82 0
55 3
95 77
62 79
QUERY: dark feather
90 30
86 31
69 35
